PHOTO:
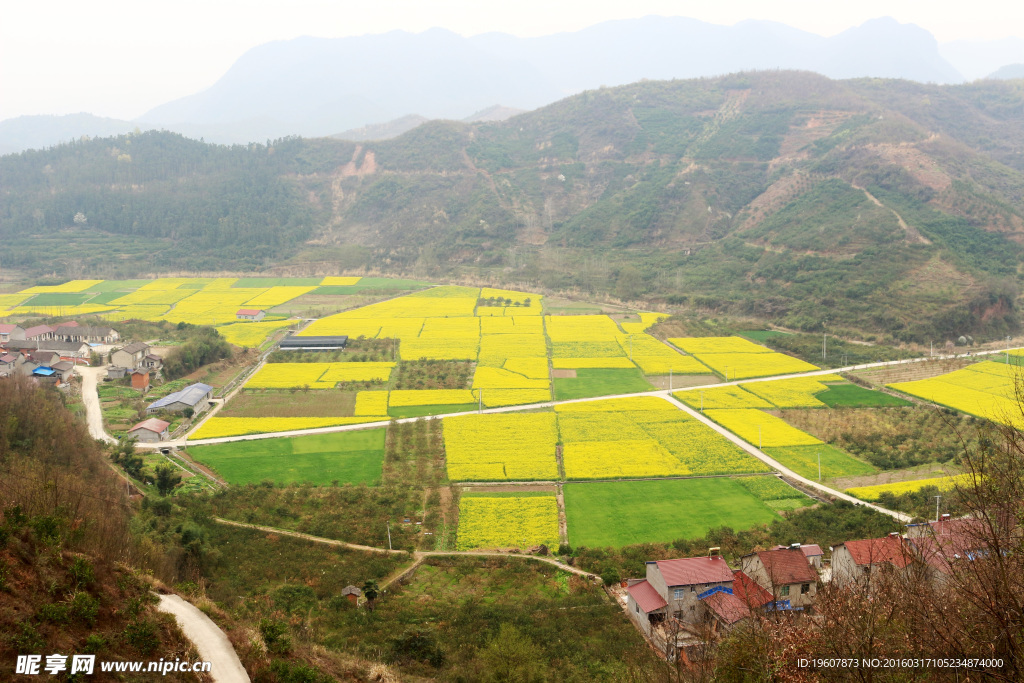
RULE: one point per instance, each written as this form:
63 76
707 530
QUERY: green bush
142 635
275 636
84 608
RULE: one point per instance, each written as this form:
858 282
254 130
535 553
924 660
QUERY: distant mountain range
378 85
891 205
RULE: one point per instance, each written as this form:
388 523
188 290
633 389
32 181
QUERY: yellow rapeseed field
67 287
507 522
581 328
250 334
339 281
898 488
496 398
748 365
744 422
534 368
721 397
984 389
497 378
370 403
580 363
218 427
401 398
639 403
699 345
317 375
798 392
276 296
501 447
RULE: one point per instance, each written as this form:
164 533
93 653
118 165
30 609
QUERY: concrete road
93 414
211 642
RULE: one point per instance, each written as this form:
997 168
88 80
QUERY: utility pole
824 346
389 535
819 465
480 400
937 508
702 402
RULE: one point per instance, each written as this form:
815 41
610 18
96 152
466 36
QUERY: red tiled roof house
786 574
249 314
674 588
856 561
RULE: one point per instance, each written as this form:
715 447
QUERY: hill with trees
869 204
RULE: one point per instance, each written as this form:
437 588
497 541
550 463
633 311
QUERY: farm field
292 404
834 463
874 492
507 521
851 395
496 447
775 493
217 427
615 514
591 382
348 457
738 358
986 389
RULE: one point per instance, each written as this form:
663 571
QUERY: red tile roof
749 593
728 608
7 328
248 311
152 424
889 549
694 570
646 596
811 550
787 566
7 359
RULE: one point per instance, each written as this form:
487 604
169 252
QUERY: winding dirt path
212 643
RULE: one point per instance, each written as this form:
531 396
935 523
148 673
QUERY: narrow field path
417 555
211 642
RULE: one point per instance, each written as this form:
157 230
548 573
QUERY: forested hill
877 204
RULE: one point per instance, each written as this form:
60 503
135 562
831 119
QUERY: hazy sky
121 57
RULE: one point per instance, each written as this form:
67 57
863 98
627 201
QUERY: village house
150 430
195 397
89 335
674 588
7 364
38 332
250 314
943 544
812 551
73 351
786 574
857 561
130 355
152 362
352 594
64 369
11 332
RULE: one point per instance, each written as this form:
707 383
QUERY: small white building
150 430
250 314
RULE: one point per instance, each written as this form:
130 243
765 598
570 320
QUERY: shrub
275 635
142 635
81 572
610 576
84 608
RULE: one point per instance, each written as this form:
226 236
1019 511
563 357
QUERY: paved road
211 642
417 555
93 415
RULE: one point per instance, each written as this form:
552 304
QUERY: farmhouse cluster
49 353
683 599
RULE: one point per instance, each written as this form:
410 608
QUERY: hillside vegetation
889 205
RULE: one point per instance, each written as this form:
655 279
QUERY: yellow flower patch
747 365
698 345
501 447
985 389
615 404
371 403
251 334
899 488
798 392
275 296
534 368
339 281
66 288
401 398
497 378
512 522
496 398
317 375
721 397
580 363
744 422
